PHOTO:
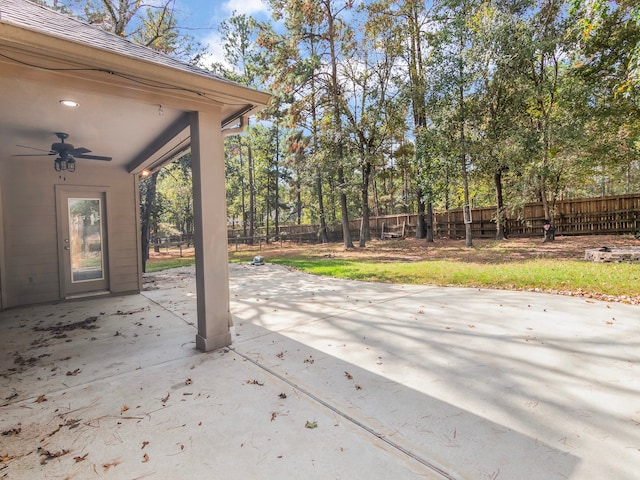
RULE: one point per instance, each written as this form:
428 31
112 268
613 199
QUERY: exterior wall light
69 103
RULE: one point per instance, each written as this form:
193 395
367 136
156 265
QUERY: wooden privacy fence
616 215
590 216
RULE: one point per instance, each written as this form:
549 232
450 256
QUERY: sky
201 19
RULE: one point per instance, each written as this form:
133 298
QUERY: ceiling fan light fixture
69 103
64 164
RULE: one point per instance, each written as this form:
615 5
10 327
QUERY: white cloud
248 7
213 41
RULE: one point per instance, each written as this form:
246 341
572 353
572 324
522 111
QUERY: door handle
67 247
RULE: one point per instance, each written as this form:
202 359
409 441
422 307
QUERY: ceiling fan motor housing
61 147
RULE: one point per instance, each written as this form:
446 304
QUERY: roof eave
91 57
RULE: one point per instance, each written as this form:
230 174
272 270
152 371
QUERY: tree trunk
336 100
145 216
276 219
420 226
500 217
299 200
346 232
324 237
364 224
268 213
429 222
252 197
463 147
376 199
242 189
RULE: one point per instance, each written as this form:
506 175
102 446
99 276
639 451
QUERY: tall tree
295 58
498 30
458 78
239 36
411 24
375 112
544 67
318 27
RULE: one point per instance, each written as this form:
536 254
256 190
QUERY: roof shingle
44 20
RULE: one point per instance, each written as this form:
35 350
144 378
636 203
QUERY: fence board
615 215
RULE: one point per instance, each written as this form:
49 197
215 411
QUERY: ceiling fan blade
49 152
79 151
34 155
93 157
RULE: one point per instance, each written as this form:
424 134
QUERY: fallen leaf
255 382
74 373
41 399
309 360
47 455
12 431
283 395
107 466
81 459
164 399
123 409
145 458
144 444
188 381
311 424
358 387
5 458
348 375
273 416
280 355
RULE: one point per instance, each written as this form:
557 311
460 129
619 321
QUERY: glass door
83 236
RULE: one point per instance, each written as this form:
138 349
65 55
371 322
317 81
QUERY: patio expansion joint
164 308
432 466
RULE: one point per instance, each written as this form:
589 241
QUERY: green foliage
174 197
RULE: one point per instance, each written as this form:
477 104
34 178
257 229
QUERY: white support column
210 211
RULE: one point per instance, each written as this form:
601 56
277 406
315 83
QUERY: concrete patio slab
398 382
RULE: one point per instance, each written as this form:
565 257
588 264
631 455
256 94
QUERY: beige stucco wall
30 262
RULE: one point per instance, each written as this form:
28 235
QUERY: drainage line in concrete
436 469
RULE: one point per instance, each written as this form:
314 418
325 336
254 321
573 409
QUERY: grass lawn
547 275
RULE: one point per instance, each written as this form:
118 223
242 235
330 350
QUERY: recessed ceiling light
69 103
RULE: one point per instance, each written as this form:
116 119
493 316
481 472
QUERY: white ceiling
31 113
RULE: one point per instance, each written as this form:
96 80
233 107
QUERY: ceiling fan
67 154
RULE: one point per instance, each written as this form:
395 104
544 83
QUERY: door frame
62 192
3 293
